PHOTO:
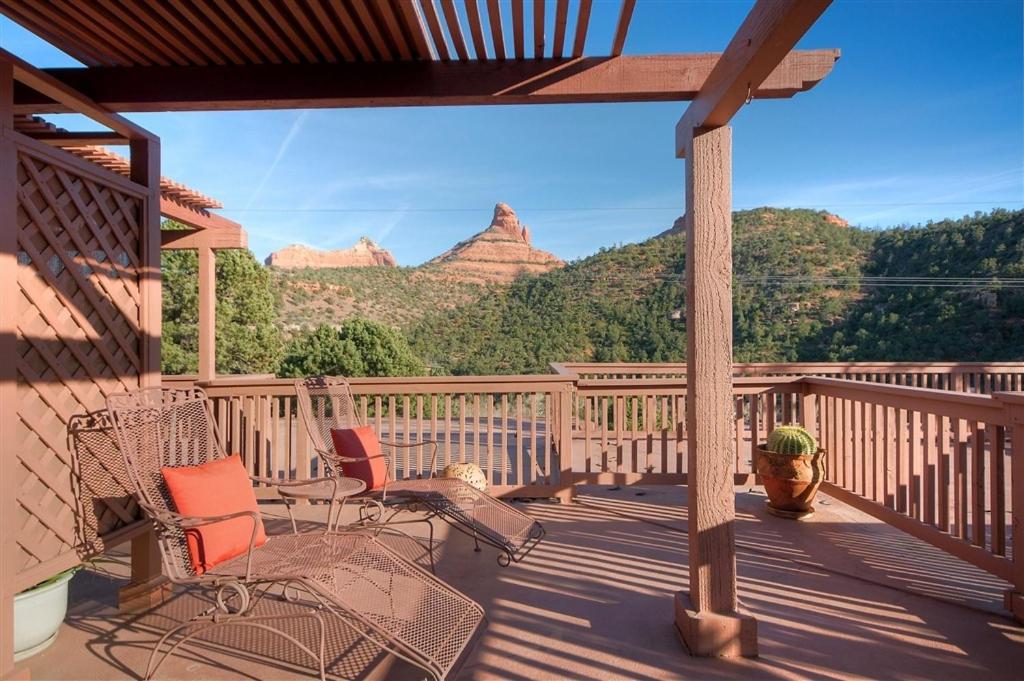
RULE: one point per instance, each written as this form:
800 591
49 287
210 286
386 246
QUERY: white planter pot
38 614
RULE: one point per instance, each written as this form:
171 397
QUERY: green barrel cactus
793 440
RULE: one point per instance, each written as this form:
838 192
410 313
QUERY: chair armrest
170 519
288 483
423 443
335 460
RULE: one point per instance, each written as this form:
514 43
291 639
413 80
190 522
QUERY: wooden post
1014 406
8 370
566 483
708 616
207 313
147 585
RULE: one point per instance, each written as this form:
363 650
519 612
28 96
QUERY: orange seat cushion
361 442
211 489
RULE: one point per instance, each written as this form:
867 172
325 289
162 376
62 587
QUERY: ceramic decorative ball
469 473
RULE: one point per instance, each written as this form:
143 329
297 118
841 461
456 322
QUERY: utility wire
618 209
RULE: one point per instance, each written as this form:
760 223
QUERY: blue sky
922 118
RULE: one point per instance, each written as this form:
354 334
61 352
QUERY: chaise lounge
327 406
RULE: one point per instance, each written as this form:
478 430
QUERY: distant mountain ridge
365 253
314 287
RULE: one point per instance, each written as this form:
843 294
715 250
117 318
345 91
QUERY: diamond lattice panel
78 339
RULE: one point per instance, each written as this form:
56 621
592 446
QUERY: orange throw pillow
356 443
211 489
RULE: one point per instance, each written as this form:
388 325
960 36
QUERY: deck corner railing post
809 409
1013 404
566 482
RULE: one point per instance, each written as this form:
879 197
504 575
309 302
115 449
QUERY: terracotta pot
791 481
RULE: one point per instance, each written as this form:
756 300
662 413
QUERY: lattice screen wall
78 339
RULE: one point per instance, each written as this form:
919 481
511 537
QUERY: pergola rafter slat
561 19
622 27
329 25
144 25
370 28
386 13
208 32
451 20
224 16
582 23
412 19
476 29
434 25
348 23
538 29
497 33
518 19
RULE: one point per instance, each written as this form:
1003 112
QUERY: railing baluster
977 484
997 490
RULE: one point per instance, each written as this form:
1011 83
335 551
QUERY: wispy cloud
882 199
282 149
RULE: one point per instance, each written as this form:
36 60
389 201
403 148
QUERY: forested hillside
948 320
397 296
625 303
807 287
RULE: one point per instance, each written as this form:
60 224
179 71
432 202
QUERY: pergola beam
759 50
195 239
655 78
80 139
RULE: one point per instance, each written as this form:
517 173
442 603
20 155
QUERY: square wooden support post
8 370
147 585
708 617
207 313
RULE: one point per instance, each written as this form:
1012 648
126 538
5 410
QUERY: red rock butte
500 253
365 253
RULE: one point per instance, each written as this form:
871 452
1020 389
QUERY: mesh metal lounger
326 403
380 595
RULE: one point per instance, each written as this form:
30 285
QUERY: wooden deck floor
839 596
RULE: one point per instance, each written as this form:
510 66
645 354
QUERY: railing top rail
248 385
970 407
568 368
745 383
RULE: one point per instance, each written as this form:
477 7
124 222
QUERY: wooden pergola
194 55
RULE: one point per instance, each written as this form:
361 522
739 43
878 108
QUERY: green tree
359 347
248 339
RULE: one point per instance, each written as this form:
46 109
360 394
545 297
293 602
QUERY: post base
713 634
1014 602
143 596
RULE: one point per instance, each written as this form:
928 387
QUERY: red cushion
211 489
361 442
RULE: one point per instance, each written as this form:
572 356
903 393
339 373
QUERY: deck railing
634 431
937 463
934 463
976 377
510 426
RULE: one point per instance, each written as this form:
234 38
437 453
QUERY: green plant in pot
792 467
38 613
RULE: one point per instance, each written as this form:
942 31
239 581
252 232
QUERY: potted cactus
791 466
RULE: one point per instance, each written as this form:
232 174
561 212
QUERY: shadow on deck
838 596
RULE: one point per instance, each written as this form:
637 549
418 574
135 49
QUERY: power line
616 209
